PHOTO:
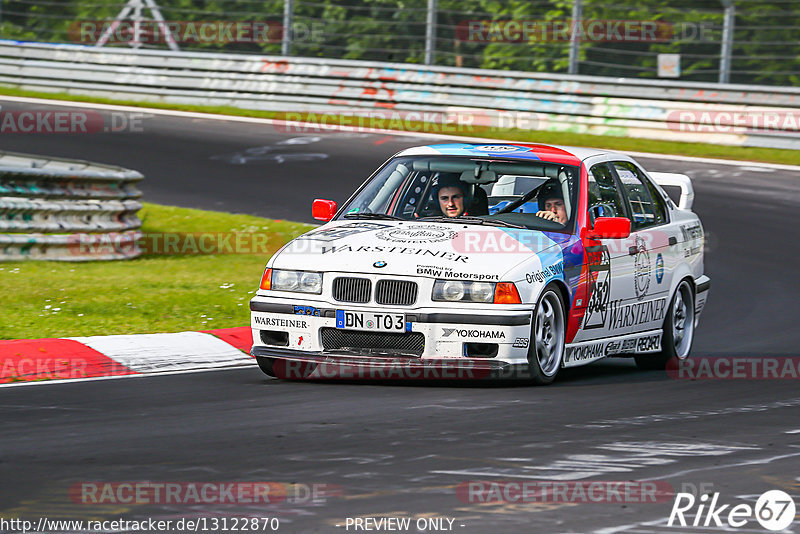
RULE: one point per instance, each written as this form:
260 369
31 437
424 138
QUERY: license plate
384 322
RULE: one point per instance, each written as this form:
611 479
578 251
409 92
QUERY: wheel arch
562 289
683 272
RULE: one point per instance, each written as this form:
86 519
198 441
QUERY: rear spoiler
679 180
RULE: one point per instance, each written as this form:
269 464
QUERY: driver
450 193
552 199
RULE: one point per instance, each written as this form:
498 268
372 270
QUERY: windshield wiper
472 220
372 216
457 220
498 222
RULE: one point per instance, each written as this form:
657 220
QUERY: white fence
694 112
51 208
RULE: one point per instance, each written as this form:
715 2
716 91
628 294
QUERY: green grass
155 293
768 155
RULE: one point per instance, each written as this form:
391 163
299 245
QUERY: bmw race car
493 258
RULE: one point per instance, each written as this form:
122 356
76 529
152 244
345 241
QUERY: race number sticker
599 264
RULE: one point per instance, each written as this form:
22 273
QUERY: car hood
471 252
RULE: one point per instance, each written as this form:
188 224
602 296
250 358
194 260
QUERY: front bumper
702 287
295 364
449 333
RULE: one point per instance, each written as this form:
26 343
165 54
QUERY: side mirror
323 210
609 228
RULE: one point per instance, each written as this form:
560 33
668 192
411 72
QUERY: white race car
497 260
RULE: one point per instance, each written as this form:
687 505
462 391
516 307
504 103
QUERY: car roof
522 151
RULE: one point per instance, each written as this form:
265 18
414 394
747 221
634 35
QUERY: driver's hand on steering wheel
547 215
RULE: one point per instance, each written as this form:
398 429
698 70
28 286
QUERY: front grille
396 292
346 289
409 343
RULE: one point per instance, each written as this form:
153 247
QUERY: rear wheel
546 350
676 343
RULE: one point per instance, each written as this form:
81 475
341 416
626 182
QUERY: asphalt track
402 450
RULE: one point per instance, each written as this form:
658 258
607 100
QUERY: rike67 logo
774 510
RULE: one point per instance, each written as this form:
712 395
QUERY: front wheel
548 332
676 343
266 365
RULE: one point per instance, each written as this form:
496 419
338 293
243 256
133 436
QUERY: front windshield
530 194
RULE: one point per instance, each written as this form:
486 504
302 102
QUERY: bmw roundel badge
379 264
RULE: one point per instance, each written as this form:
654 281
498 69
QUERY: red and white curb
35 360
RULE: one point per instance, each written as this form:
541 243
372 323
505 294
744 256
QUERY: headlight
311 282
482 291
456 290
453 290
299 281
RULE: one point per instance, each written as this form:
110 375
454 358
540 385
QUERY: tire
265 364
548 335
676 343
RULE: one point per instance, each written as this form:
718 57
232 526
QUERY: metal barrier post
727 42
575 39
286 41
430 33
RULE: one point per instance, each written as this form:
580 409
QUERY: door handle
673 240
632 250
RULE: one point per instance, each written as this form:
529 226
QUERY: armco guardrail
667 110
51 207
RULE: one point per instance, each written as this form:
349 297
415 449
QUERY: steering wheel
594 210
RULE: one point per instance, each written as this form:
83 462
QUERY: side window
412 195
658 201
644 211
604 197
